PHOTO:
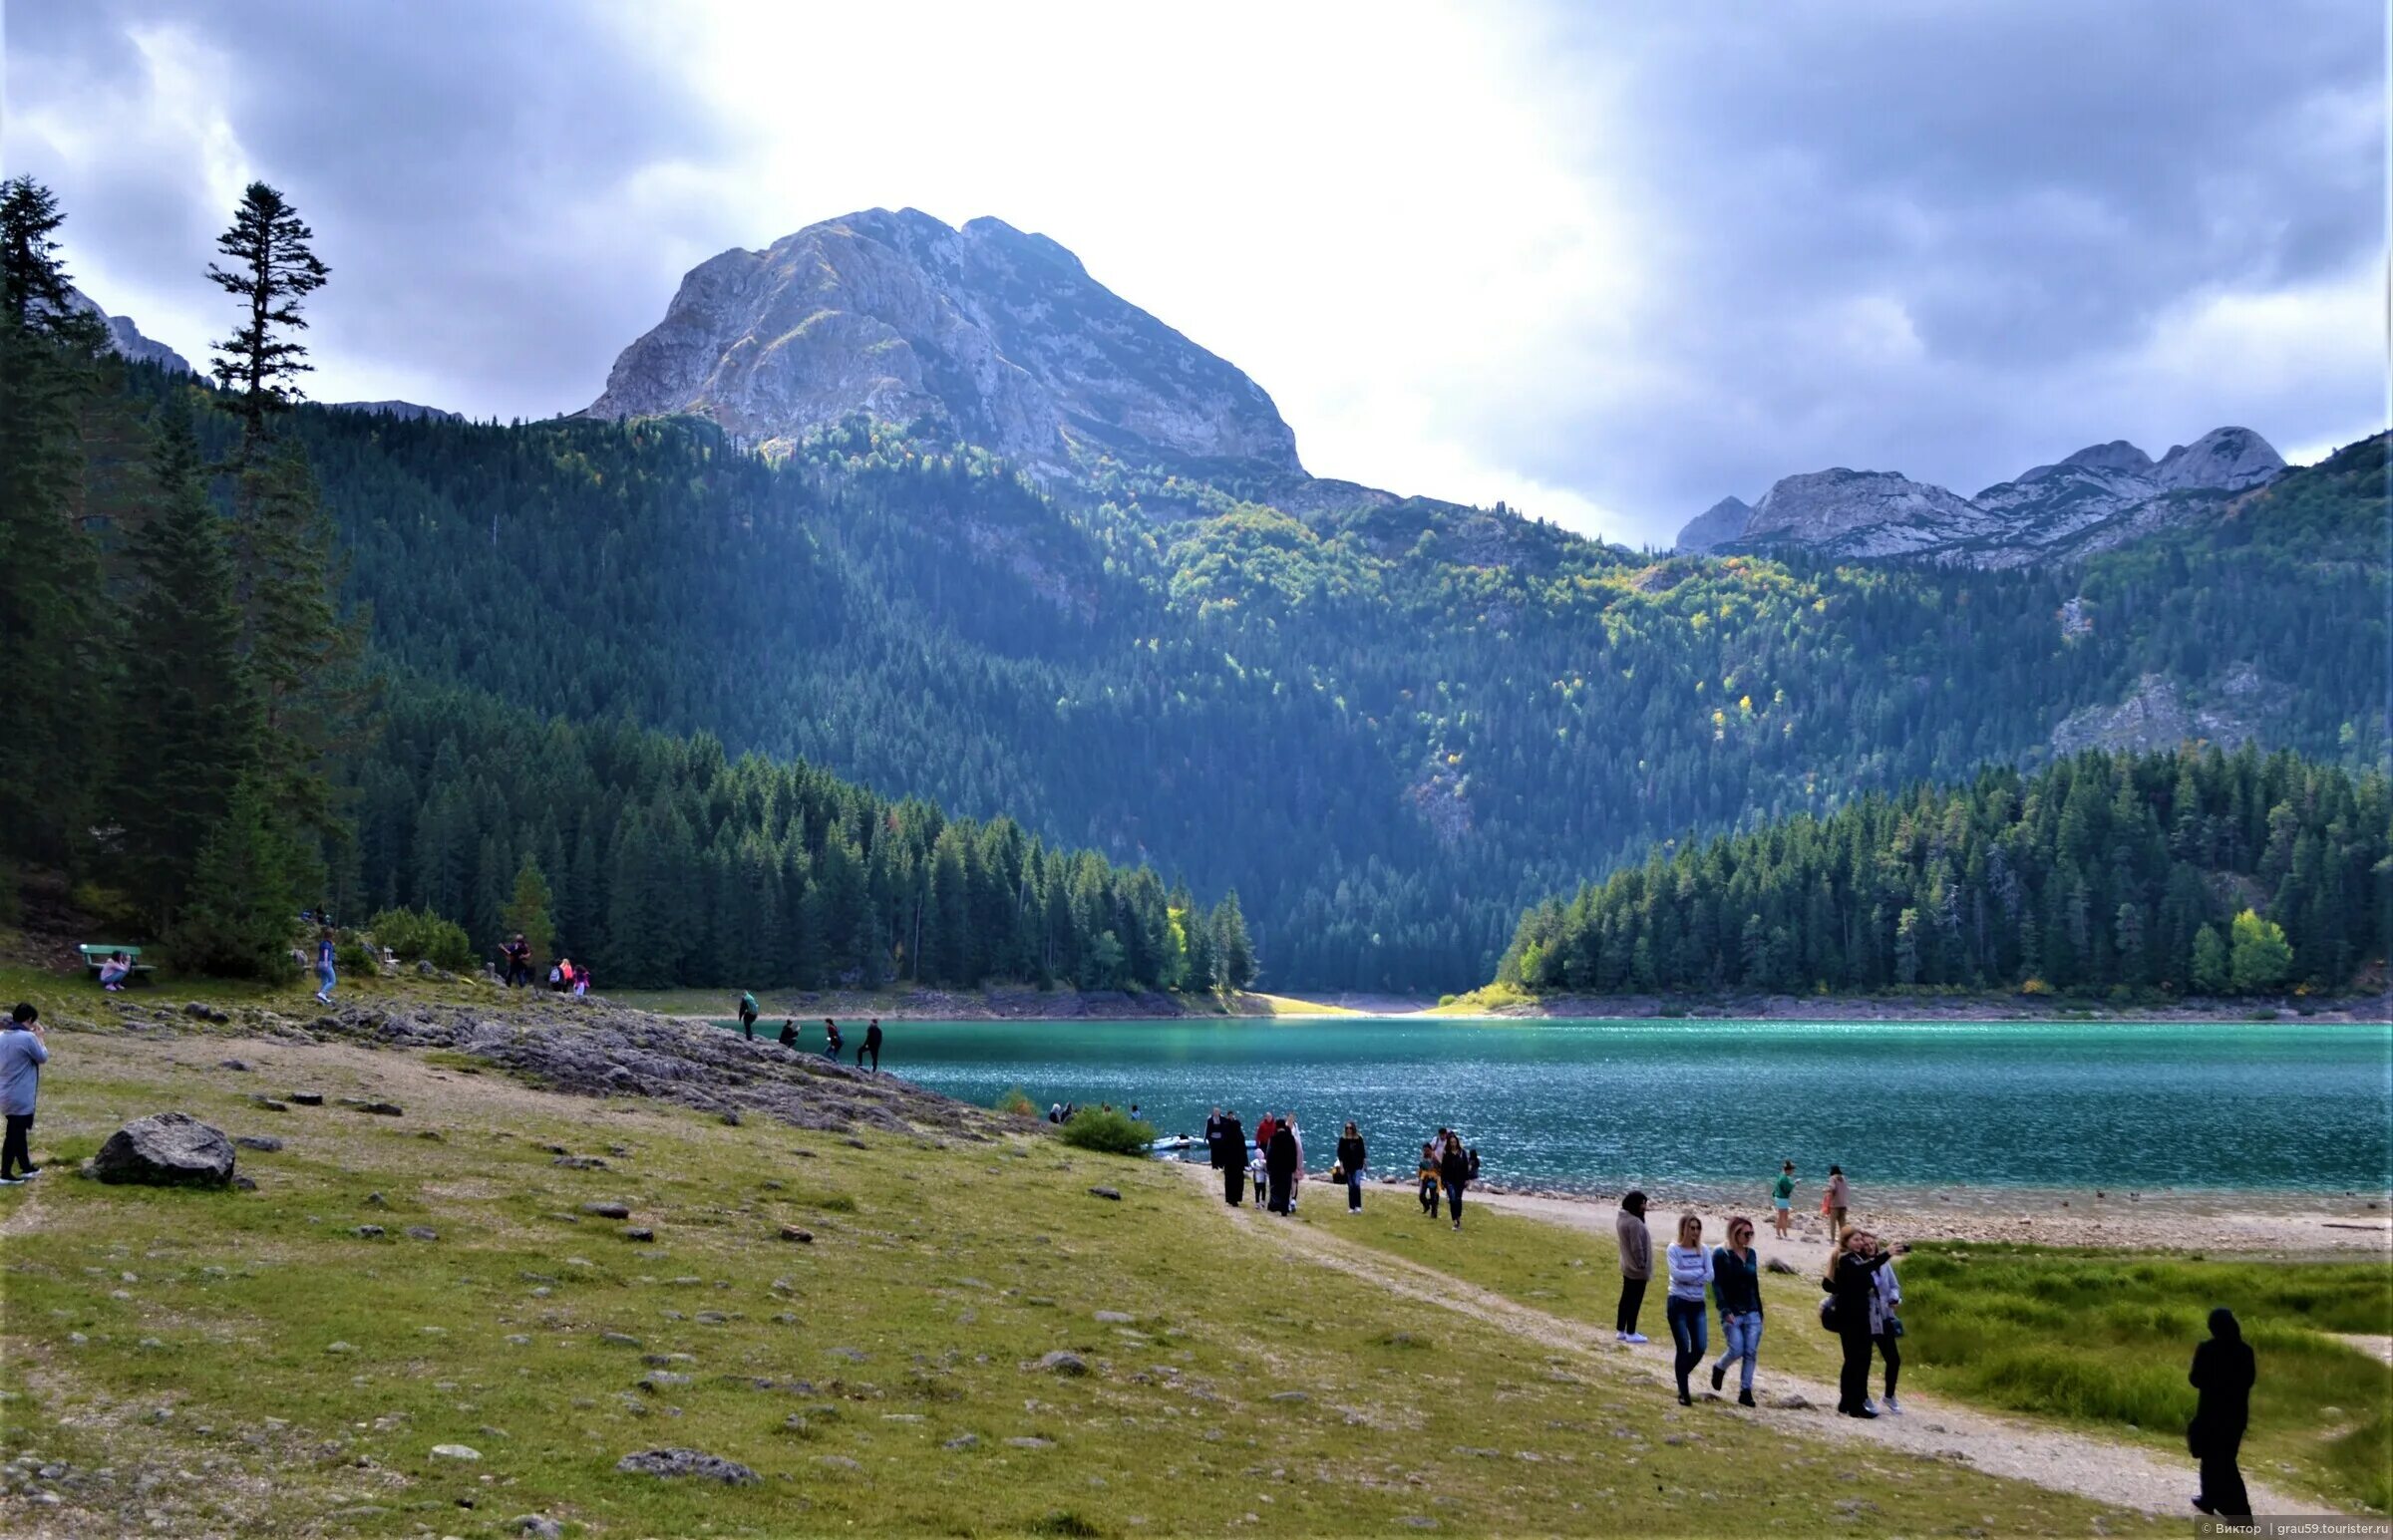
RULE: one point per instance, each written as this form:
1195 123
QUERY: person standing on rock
748 1015
325 977
1737 1290
1351 1154
1837 1200
1637 1265
831 1041
1683 1305
789 1034
518 953
1851 1286
2223 1373
1279 1164
24 1049
1229 1159
1782 1199
871 1044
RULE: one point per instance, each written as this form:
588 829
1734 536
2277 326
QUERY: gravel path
2082 1465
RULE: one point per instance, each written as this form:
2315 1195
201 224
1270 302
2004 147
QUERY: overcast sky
1608 261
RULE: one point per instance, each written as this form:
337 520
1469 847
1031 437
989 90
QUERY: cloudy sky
1608 262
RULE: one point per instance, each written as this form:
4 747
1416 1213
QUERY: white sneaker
1635 1336
1890 1408
1619 1336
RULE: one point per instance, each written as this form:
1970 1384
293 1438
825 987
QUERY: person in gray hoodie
23 1052
1637 1265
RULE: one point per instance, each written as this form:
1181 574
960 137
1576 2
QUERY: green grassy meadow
2098 1340
247 1363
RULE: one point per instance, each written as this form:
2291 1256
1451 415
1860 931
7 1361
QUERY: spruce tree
272 269
1233 952
188 722
236 919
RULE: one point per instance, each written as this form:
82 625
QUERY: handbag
1337 1173
1894 1327
1831 1320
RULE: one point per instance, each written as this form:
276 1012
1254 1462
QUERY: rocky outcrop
1718 524
169 1149
2099 497
988 333
127 338
2157 713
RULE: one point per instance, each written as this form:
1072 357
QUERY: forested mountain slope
2187 872
1390 726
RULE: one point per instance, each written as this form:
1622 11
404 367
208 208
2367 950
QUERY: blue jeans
1741 1338
1690 1330
1354 1190
324 978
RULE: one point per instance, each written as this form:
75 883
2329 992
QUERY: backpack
1832 1320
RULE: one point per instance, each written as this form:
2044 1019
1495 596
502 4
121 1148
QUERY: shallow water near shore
1595 1105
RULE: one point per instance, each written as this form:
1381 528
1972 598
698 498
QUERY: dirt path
2081 1465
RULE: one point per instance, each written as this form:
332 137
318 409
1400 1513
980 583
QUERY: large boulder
169 1149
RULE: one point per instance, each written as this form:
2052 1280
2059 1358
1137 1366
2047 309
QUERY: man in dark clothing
789 1034
747 1017
2223 1373
1352 1156
1229 1159
831 1041
871 1044
518 952
1850 1281
1454 1174
1279 1163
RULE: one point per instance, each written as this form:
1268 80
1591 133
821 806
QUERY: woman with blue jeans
1690 1271
325 977
1737 1290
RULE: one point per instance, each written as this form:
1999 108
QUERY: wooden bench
98 953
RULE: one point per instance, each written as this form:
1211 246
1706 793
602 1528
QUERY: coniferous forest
2192 872
885 710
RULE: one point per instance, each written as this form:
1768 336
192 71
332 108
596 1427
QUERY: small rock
377 1200
205 1012
307 1098
837 1463
790 1232
607 1210
242 1185
375 1108
339 1347
1291 1396
454 1452
687 1462
579 1162
1779 1265
417 1232
662 1380
1791 1400
962 1441
368 1232
259 1142
638 1233
730 1120
233 1065
269 1104
1115 1318
1110 1195
1070 1365
618 1340
1030 1444
539 1526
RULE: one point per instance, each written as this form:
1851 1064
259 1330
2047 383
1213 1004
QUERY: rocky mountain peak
127 338
2226 459
1718 524
2118 455
987 332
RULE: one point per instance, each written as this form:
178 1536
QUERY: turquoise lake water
1607 1104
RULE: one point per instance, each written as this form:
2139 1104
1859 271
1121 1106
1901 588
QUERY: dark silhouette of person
1850 1281
1279 1163
2223 1373
871 1044
1229 1159
1454 1174
831 1041
789 1034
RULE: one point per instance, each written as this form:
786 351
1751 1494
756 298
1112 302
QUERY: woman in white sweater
1690 1274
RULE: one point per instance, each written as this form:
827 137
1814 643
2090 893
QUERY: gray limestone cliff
989 333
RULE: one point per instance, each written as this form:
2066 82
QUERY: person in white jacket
1690 1274
1885 1329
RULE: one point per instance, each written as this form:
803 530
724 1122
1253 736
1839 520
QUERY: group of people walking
566 976
1276 1164
1448 1167
834 1041
1861 1307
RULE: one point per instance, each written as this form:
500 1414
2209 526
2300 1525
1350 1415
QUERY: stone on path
167 1149
306 1097
539 1526
1111 1194
257 1141
1070 1365
637 1233
687 1462
417 1232
454 1452
607 1210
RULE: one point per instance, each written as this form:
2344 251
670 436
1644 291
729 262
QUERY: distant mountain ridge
127 338
995 335
2092 500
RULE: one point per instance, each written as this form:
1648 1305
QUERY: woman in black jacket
1279 1163
1350 1165
1454 1174
2223 1373
1848 1284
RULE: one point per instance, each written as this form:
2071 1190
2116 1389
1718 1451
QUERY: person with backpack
24 1049
1850 1284
872 1045
748 1015
1737 1291
1351 1155
1637 1265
